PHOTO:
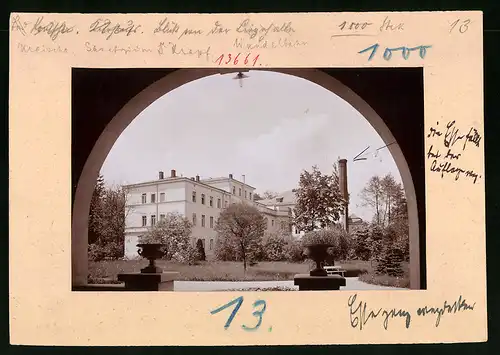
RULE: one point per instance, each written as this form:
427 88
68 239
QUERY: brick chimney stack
160 175
172 173
344 191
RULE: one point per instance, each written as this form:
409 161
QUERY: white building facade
199 200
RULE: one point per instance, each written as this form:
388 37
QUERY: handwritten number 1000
226 59
239 301
388 51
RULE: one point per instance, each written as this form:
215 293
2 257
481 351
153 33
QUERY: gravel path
352 283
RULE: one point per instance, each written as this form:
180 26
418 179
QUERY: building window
211 201
162 217
153 220
272 222
211 244
203 242
194 196
250 196
239 192
245 193
211 222
162 197
202 199
234 190
226 203
153 198
194 219
218 203
143 197
144 221
203 220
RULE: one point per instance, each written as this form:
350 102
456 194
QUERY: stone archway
106 140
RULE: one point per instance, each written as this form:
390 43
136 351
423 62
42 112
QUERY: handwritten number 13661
239 301
226 59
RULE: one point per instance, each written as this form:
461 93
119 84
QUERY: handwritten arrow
357 157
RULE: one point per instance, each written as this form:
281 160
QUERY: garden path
352 283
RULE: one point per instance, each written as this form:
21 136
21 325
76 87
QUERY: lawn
107 271
205 271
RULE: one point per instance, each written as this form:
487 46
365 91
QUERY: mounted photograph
191 180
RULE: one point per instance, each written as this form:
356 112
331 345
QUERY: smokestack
343 190
230 176
172 173
197 177
160 175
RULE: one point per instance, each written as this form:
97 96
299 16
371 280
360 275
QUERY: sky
270 129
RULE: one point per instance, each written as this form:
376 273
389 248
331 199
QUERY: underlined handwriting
367 28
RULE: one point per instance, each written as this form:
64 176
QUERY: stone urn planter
152 252
318 253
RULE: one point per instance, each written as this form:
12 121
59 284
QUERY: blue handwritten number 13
239 301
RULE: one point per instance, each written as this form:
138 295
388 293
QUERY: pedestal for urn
318 279
151 277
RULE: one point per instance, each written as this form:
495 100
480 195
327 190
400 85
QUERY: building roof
224 178
285 198
174 179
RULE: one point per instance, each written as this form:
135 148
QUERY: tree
391 191
382 195
319 200
108 223
372 196
200 250
95 210
240 229
174 231
399 223
257 197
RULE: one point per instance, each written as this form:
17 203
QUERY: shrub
294 251
109 251
337 237
174 232
200 251
275 248
185 255
391 257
